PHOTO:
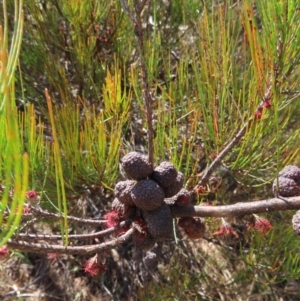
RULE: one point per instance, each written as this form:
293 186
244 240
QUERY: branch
138 31
228 148
238 209
28 237
42 213
45 248
212 167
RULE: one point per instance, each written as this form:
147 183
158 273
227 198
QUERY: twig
212 167
28 237
138 31
228 148
238 209
38 212
45 248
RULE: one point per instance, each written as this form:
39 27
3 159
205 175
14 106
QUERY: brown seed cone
123 192
165 174
286 187
124 211
175 187
147 195
296 222
136 166
291 172
159 222
193 227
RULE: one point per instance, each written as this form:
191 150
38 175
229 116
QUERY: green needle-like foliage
13 163
229 69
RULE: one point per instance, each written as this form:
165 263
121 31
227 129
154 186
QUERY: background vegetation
210 64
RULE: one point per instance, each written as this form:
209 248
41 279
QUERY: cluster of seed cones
147 197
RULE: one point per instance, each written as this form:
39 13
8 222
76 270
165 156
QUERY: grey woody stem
38 212
238 209
45 248
106 232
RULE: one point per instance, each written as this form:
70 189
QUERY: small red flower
258 113
226 230
142 230
26 210
183 200
32 196
261 224
4 252
94 266
123 230
112 218
267 104
200 189
52 256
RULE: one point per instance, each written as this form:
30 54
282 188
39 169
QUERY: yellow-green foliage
13 162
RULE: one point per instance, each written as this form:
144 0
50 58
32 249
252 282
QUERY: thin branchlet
46 248
23 241
103 233
38 212
238 209
136 19
231 144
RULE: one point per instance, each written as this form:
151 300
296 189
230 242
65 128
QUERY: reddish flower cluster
142 231
94 266
26 210
183 200
193 227
226 230
266 104
52 256
4 252
258 113
32 196
122 230
112 218
200 189
260 224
